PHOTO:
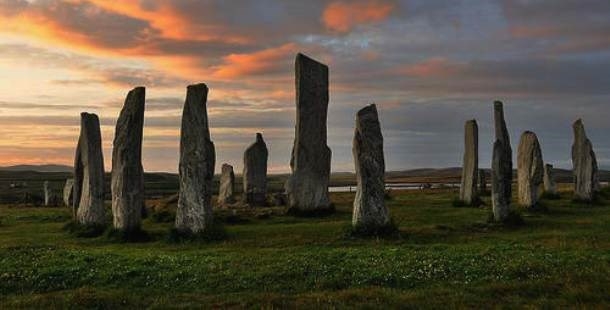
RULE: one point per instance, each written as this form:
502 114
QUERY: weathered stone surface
586 182
255 172
530 169
470 168
47 193
197 160
367 149
501 167
550 186
88 203
226 189
482 181
127 173
307 187
68 192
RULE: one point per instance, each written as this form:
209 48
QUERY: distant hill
38 168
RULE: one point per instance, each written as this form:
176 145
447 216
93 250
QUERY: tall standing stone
47 193
307 187
226 189
88 205
197 160
550 187
68 192
482 181
530 169
369 203
255 172
470 168
127 173
501 167
586 182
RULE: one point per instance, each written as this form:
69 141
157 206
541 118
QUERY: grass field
446 257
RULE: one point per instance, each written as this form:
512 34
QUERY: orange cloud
433 67
264 61
342 16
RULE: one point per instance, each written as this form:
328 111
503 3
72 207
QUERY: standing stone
550 187
47 193
226 190
470 168
255 172
369 203
197 160
307 187
586 183
127 172
88 205
68 192
530 169
482 181
501 167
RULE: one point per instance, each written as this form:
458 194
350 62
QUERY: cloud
267 61
343 16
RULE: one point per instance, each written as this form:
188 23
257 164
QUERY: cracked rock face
586 182
369 203
197 160
255 172
127 182
470 168
88 203
530 169
549 180
501 167
226 189
307 187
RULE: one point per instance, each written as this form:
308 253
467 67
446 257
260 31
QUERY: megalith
88 204
307 187
226 188
68 192
584 163
197 160
255 172
47 193
470 167
369 203
550 187
530 170
501 167
127 182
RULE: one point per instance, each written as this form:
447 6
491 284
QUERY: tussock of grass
215 232
389 231
84 231
163 216
312 213
458 203
131 236
550 196
514 219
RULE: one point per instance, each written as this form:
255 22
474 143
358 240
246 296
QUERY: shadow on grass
389 231
317 213
84 231
214 233
128 236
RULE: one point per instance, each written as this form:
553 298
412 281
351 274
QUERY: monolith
197 160
470 168
307 187
530 170
127 182
255 172
586 182
88 203
47 193
501 167
68 192
226 188
550 187
369 204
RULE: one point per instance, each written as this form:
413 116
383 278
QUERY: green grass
444 257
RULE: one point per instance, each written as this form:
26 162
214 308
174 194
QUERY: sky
428 65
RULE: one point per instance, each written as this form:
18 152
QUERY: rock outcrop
127 182
197 160
307 187
68 192
550 187
586 182
226 188
369 203
255 172
470 168
501 167
88 205
530 170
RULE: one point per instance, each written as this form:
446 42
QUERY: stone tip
302 58
371 108
197 86
498 103
259 137
87 115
